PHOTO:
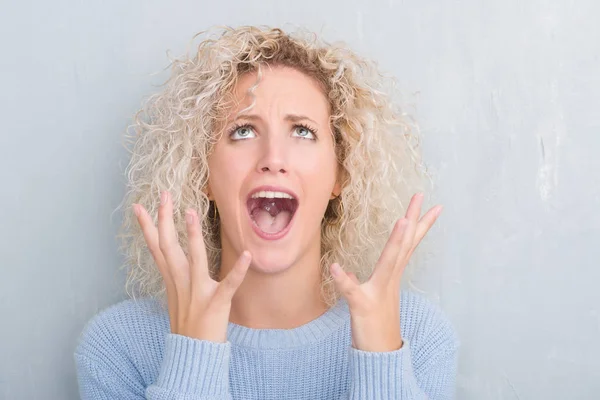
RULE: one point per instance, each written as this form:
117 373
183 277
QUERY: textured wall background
506 94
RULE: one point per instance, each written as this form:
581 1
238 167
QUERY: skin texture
265 284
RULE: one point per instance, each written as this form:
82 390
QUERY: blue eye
304 132
242 132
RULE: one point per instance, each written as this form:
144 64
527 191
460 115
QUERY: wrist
380 345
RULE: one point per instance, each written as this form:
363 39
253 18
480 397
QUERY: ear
337 189
206 191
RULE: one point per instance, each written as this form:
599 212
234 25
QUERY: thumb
229 285
352 276
348 287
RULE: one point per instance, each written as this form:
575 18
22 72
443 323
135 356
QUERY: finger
346 286
412 215
387 260
151 237
425 224
234 279
421 228
352 276
414 208
196 250
169 244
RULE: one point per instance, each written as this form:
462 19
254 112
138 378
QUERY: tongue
269 224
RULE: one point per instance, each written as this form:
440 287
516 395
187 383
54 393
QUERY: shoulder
427 329
122 332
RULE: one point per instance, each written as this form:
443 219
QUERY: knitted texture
128 352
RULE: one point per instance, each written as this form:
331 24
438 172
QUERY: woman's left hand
375 304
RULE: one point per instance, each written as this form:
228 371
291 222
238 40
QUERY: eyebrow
288 117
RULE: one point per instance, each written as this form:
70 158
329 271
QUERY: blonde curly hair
174 131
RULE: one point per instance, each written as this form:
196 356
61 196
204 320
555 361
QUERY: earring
216 212
336 207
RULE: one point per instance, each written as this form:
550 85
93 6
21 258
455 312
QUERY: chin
268 261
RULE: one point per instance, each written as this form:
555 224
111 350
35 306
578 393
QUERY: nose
274 156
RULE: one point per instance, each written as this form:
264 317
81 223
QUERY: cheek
318 168
318 160
225 168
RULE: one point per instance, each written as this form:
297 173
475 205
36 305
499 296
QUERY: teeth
271 195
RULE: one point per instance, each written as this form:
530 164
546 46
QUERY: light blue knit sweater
128 352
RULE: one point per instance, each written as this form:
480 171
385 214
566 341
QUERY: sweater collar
313 331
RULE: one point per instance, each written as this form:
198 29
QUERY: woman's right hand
198 305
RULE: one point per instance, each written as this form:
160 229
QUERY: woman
264 180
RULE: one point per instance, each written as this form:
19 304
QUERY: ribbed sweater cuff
383 376
194 366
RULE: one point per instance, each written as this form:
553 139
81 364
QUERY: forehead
279 90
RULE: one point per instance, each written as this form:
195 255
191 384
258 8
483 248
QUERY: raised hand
375 304
198 305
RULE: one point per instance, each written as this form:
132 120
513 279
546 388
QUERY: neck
282 300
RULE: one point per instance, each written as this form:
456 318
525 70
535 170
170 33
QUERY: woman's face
274 170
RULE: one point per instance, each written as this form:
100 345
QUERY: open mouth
271 212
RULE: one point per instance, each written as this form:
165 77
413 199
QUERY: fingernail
439 211
246 255
189 217
136 210
163 198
